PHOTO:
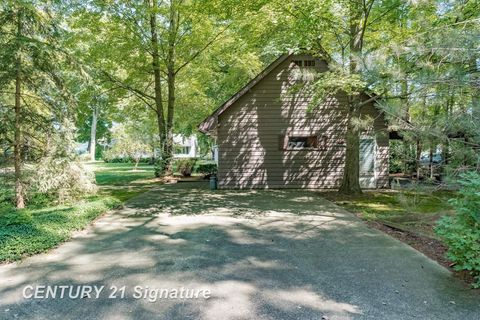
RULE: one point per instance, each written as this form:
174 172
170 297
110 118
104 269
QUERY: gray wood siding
249 134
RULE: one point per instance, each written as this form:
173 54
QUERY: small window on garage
302 142
298 63
309 63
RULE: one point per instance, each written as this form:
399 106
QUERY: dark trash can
213 182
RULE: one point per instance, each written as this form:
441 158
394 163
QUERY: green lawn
121 181
42 226
412 210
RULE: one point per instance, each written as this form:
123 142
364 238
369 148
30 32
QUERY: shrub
207 169
185 166
120 159
114 159
396 165
84 157
58 174
62 179
461 232
128 146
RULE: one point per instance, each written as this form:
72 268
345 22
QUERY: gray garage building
269 136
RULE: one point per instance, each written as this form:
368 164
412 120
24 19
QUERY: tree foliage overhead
35 70
30 34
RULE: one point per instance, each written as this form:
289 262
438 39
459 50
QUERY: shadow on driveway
263 254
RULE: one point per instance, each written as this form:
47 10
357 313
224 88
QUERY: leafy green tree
149 50
434 57
31 77
93 116
130 143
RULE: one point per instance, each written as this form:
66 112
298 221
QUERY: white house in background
185 147
81 148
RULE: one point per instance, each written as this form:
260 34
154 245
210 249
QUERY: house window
299 143
304 63
298 63
309 63
182 150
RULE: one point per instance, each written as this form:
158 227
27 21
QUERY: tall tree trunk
93 134
475 69
167 146
171 78
351 173
430 161
445 156
433 145
446 141
418 154
406 118
167 152
406 155
152 5
19 192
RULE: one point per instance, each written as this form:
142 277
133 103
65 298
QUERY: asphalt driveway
246 254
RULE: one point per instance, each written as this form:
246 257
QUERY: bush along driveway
259 254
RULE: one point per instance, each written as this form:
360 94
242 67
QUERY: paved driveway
261 254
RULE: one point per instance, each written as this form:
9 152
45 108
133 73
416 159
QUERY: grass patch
42 226
121 181
414 210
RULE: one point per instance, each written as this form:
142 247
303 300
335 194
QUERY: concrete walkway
261 254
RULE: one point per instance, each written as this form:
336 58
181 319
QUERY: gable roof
207 125
211 121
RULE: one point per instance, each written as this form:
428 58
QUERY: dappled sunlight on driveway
263 254
195 198
233 300
298 298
